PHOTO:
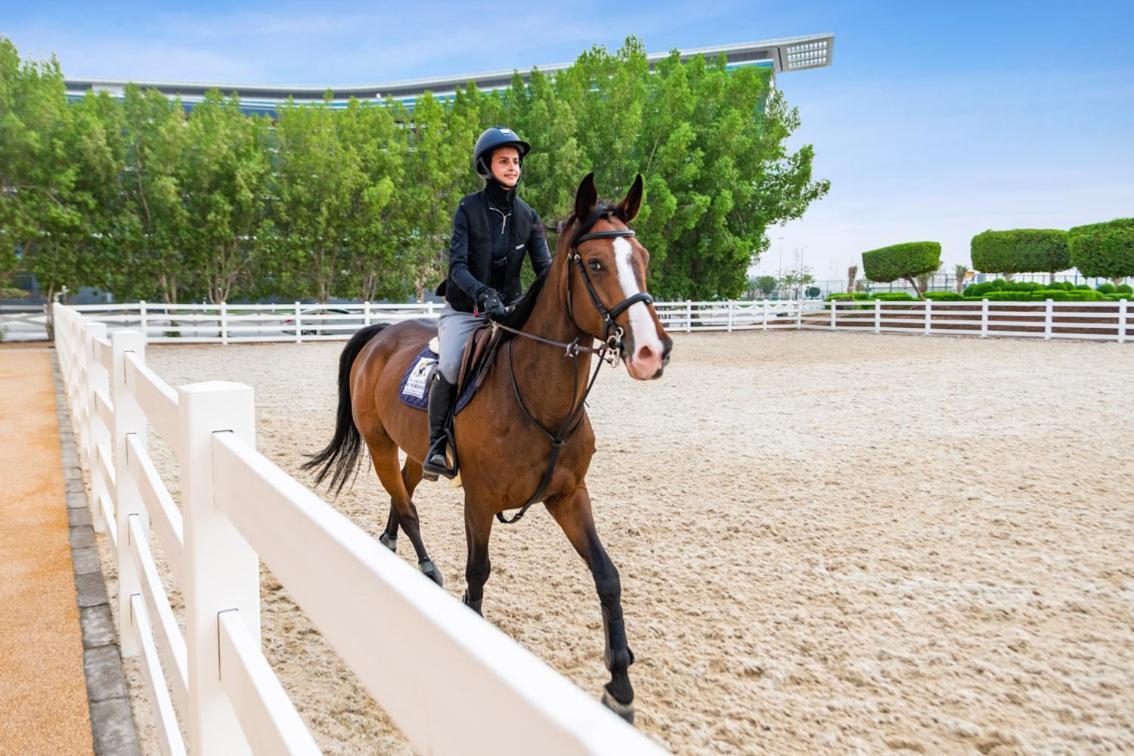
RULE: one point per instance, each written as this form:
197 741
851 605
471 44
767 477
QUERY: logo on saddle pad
415 384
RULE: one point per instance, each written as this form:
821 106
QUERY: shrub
1083 287
1021 250
1107 288
1104 249
813 291
1124 289
907 261
948 296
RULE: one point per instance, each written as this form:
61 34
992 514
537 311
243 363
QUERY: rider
492 231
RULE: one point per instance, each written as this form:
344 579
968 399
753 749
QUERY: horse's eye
594 265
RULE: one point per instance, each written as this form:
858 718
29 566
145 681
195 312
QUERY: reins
611 350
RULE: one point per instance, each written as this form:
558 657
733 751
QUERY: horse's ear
586 197
630 205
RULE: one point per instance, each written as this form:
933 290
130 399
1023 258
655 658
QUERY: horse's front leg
478 529
573 513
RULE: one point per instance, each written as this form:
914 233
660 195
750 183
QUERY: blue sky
935 121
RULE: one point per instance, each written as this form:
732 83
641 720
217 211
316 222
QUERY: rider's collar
498 194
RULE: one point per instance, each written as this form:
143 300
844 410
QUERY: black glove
491 306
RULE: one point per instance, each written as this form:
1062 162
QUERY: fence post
224 322
834 306
688 316
298 329
366 313
1121 321
96 432
928 317
129 420
1049 311
222 570
731 305
878 316
983 318
799 315
143 319
765 315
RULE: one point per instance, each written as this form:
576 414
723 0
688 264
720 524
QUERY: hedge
1103 249
901 261
1021 250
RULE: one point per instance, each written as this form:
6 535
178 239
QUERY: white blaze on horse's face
646 360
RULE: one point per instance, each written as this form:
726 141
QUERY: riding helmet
497 136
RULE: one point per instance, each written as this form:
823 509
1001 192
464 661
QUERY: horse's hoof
389 541
474 605
626 711
429 569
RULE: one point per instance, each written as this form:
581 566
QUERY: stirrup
430 470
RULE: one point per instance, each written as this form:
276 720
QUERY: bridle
612 348
612 332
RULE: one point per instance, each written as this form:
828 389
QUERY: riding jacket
492 231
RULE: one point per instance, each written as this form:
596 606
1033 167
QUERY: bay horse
595 289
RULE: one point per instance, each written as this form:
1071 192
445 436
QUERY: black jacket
487 249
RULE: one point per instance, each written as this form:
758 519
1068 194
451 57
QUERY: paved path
43 696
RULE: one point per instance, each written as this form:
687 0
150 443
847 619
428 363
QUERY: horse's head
606 280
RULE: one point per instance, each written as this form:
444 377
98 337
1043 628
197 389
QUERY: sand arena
827 542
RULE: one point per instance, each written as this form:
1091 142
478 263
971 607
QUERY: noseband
612 332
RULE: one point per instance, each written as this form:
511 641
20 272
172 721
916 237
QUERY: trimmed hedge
906 260
1021 250
1103 249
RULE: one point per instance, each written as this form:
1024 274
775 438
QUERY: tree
1104 249
852 274
154 220
223 182
41 216
1021 250
906 261
796 280
766 285
961 272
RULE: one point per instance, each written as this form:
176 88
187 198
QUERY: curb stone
112 720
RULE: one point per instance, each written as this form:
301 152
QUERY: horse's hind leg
384 454
411 476
573 513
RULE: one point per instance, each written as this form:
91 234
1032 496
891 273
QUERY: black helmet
497 136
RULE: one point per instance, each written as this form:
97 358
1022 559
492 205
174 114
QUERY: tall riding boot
441 396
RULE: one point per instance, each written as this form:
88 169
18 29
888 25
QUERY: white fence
251 323
452 682
1106 321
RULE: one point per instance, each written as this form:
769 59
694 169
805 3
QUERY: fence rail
259 323
450 681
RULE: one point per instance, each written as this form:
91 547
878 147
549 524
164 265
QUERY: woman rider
493 229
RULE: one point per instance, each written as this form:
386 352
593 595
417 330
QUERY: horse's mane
523 309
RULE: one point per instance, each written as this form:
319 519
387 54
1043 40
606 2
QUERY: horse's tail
341 455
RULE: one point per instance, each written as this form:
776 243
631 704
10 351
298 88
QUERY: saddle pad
418 380
414 389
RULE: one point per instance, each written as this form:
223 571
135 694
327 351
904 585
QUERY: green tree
155 220
1104 249
906 261
40 214
223 181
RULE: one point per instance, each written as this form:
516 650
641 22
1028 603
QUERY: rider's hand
491 306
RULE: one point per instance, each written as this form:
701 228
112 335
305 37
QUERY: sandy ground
828 542
43 694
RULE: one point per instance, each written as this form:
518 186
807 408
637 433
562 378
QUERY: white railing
1105 321
227 324
450 681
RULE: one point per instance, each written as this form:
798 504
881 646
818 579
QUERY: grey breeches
453 330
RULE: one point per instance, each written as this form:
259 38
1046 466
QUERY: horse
508 456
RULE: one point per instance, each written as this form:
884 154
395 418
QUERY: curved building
779 55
